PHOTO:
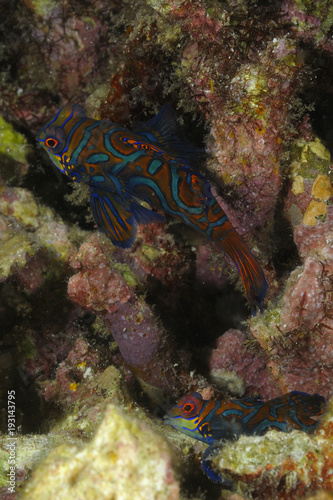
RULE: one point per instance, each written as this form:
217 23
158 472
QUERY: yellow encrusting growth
298 185
316 211
322 188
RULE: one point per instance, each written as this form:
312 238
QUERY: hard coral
78 423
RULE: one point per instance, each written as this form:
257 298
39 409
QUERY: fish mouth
168 419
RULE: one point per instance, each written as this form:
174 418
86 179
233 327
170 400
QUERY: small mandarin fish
215 422
153 164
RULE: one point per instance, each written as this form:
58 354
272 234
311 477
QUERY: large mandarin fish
215 422
153 164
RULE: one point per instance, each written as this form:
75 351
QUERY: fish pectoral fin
144 215
222 428
113 217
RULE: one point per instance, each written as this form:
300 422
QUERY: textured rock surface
124 460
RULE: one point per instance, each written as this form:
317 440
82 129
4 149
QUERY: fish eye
51 142
188 407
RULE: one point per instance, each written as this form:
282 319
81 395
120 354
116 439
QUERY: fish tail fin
252 275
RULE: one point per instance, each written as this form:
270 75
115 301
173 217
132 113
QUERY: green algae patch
12 143
3 464
265 327
28 346
22 206
319 150
163 6
15 250
124 460
149 253
42 7
129 276
308 159
47 230
13 154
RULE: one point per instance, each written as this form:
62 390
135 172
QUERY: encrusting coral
79 317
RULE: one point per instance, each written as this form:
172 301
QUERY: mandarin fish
215 422
155 165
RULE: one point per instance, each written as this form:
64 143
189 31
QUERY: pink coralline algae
299 332
66 46
299 340
231 355
111 291
81 52
101 288
303 305
317 240
310 21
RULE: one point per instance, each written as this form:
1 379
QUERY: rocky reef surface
97 342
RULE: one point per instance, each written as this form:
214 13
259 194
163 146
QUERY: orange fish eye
188 407
51 142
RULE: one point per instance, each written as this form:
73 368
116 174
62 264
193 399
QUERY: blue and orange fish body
214 422
152 165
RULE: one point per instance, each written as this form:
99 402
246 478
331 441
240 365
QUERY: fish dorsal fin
165 131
